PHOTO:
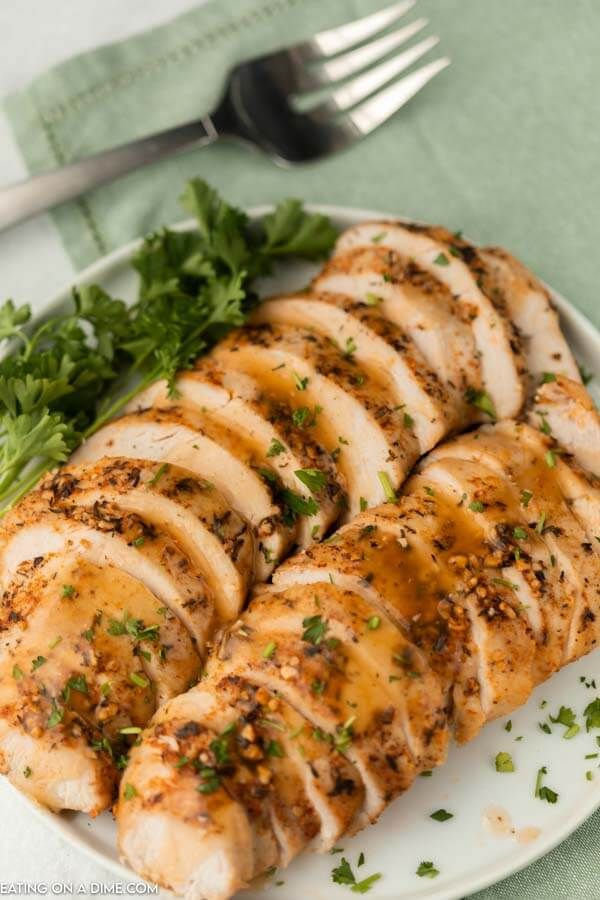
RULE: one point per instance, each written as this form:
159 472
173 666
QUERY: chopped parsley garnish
441 260
566 717
408 420
350 348
313 479
314 629
220 746
541 791
539 528
318 687
544 425
304 417
269 650
592 715
37 662
135 628
550 458
504 762
525 498
343 874
427 870
547 377
476 506
17 672
68 590
274 748
27 772
75 683
373 623
129 791
508 726
504 582
139 680
56 715
301 383
343 735
388 490
373 299
159 473
275 448
481 400
296 505
211 781
441 815
519 533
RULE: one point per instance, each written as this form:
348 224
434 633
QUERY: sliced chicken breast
347 410
33 530
236 402
564 409
79 671
380 347
421 306
529 306
443 255
178 437
515 451
172 500
515 550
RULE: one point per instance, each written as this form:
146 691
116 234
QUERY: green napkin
503 145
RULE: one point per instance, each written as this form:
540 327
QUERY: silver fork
358 63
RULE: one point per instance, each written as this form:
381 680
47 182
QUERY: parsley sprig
194 286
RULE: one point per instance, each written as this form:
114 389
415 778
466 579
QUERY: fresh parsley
193 287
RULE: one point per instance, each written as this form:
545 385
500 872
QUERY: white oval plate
468 853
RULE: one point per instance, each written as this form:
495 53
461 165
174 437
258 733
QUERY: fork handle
27 198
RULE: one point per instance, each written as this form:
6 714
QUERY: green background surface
504 145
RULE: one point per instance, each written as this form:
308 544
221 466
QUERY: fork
356 63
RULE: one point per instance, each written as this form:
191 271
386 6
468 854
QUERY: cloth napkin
504 145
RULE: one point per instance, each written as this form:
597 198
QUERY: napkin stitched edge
53 115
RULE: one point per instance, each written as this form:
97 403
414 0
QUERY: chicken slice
75 670
530 307
347 411
564 409
178 437
449 259
179 825
304 784
421 306
172 500
324 666
516 452
105 536
333 789
380 347
518 553
236 402
403 560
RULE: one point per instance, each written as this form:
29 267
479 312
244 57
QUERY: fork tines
360 63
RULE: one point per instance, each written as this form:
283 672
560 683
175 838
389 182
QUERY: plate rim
102 268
